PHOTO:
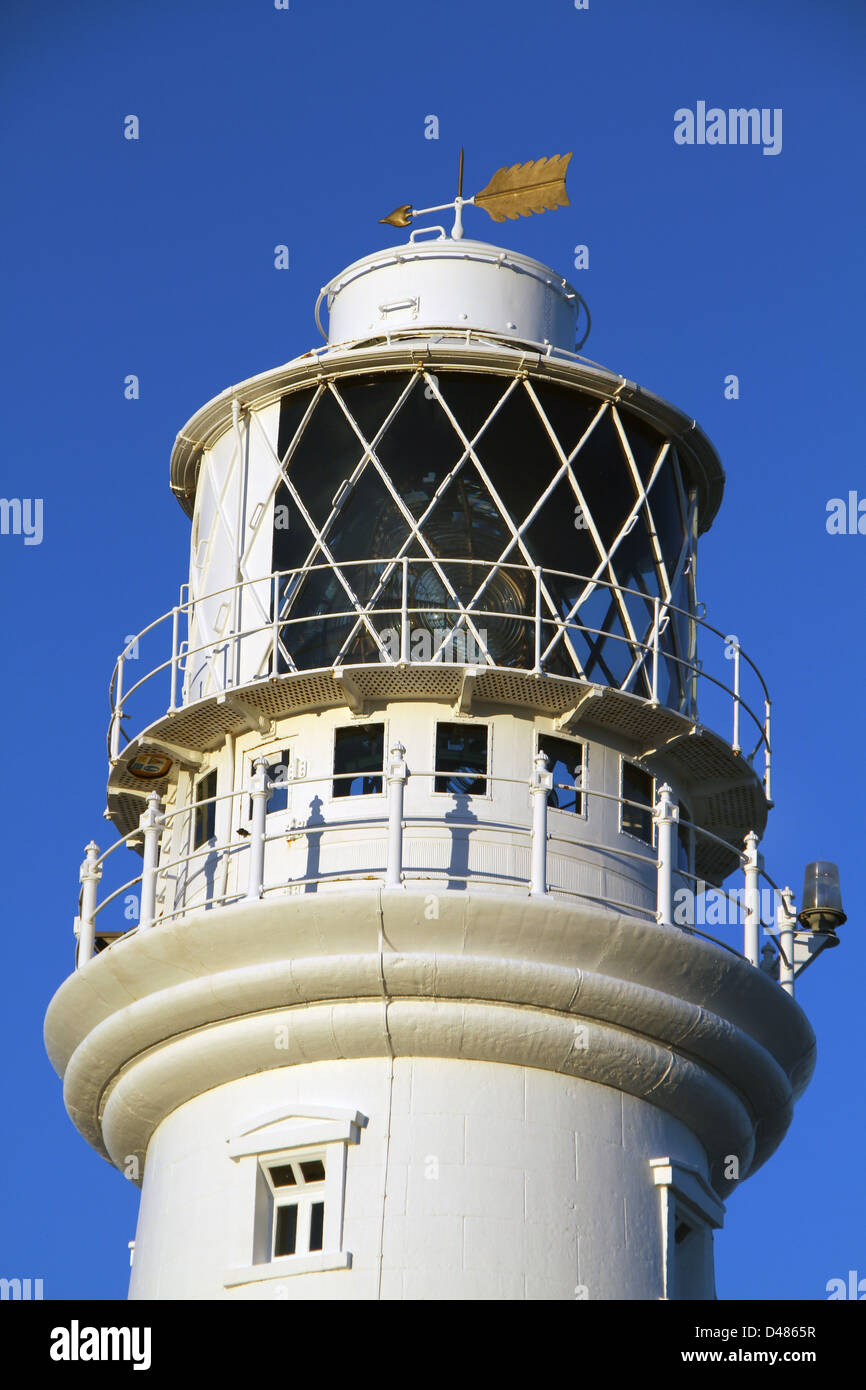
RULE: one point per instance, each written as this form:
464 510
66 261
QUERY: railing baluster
404 615
655 673
175 622
666 814
767 753
275 625
397 774
117 714
150 824
260 792
786 921
736 741
540 786
751 869
89 876
537 667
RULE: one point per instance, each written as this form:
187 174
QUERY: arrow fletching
400 217
522 189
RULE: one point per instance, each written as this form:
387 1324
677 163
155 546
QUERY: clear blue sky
155 257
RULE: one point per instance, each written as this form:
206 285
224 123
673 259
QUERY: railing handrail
662 850
669 607
299 827
463 614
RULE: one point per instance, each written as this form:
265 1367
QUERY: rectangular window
565 759
359 752
286 1237
461 756
317 1225
297 1188
205 816
637 786
294 1171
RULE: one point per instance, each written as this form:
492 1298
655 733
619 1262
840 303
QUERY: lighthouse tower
432 771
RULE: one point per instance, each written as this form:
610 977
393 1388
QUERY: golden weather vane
517 190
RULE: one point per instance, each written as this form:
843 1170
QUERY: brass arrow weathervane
517 190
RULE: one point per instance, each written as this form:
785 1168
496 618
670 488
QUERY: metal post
404 615
753 899
786 921
89 875
537 667
736 742
767 791
540 786
150 823
118 710
276 625
260 791
239 573
655 680
175 619
666 814
397 773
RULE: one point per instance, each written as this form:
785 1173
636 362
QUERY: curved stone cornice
164 1014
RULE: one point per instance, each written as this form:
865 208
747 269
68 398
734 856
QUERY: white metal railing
666 859
216 663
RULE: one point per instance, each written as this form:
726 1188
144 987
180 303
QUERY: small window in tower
205 815
565 759
359 753
461 755
297 1192
298 1207
637 786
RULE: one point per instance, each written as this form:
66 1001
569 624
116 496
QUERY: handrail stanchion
751 869
655 680
666 814
537 667
118 710
404 615
175 621
396 775
736 740
89 876
243 464
260 791
275 625
150 824
540 786
767 791
786 921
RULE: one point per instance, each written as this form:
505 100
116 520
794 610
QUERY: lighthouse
436 957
